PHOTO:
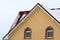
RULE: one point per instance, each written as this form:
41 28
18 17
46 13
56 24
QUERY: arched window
27 33
49 32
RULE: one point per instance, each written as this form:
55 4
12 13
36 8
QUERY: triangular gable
46 12
10 31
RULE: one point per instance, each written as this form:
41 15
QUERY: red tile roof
21 14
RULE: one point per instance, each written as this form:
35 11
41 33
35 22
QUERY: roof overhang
37 5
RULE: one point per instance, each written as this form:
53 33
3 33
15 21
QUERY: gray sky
10 8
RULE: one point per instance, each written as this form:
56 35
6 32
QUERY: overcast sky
10 8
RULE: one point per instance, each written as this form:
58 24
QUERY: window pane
50 34
28 34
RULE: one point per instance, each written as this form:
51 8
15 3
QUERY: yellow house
36 24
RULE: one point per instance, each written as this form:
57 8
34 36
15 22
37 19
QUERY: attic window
23 16
27 33
49 32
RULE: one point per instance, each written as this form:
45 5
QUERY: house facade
36 24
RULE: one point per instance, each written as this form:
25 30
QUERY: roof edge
30 11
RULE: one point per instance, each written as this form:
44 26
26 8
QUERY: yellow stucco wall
38 21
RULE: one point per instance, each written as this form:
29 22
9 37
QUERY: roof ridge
30 11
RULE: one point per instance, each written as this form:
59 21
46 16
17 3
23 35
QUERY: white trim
27 16
28 31
49 37
22 16
49 30
28 37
